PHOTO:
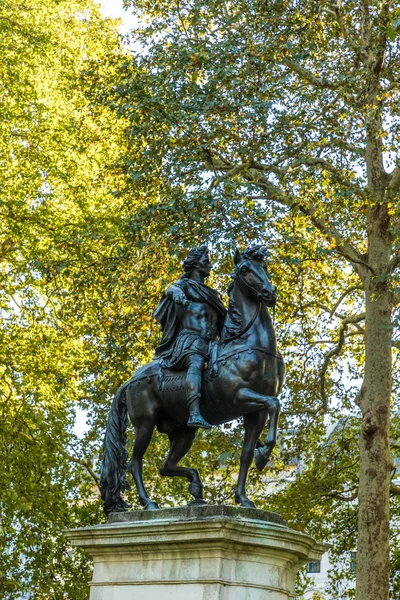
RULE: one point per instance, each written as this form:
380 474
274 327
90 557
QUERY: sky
115 9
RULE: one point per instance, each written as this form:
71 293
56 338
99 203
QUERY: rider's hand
179 298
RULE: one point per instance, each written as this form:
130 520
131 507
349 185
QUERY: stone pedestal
195 553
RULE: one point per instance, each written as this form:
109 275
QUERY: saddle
173 381
168 381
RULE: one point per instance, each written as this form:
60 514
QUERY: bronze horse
244 377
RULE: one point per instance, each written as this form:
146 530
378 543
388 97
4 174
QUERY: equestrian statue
211 367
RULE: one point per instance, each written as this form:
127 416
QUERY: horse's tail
113 469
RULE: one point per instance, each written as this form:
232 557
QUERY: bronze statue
243 377
191 316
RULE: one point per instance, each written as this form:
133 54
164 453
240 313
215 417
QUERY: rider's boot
193 395
195 418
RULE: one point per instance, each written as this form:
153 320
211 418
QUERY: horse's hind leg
253 426
143 434
181 443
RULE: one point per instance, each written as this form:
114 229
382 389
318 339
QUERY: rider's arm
176 294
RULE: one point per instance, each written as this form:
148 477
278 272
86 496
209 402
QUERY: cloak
166 313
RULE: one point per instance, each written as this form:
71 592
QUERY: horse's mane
254 253
234 317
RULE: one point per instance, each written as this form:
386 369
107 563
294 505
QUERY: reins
246 329
238 351
254 317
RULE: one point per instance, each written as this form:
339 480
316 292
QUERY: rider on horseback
191 316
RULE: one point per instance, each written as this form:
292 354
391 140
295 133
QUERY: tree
54 180
287 112
235 124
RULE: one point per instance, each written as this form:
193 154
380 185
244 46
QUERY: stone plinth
195 553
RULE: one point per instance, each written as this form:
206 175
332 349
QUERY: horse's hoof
197 502
152 506
261 458
196 489
245 502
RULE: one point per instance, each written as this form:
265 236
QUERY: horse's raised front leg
253 426
181 443
272 405
143 434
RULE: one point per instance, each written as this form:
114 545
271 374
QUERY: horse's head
252 277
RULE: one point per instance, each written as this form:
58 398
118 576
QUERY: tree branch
83 464
342 245
341 496
351 147
320 222
360 394
302 411
311 161
394 263
335 352
394 184
230 173
351 289
275 193
319 82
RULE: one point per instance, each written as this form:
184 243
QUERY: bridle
237 275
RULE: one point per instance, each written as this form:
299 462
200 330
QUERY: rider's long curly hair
193 259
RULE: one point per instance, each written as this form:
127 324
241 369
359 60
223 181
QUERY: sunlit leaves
112 165
56 157
229 104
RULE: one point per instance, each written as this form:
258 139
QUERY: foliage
228 124
278 122
55 157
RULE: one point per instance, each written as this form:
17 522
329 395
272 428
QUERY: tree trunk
375 456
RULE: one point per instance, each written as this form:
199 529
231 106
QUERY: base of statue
195 553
